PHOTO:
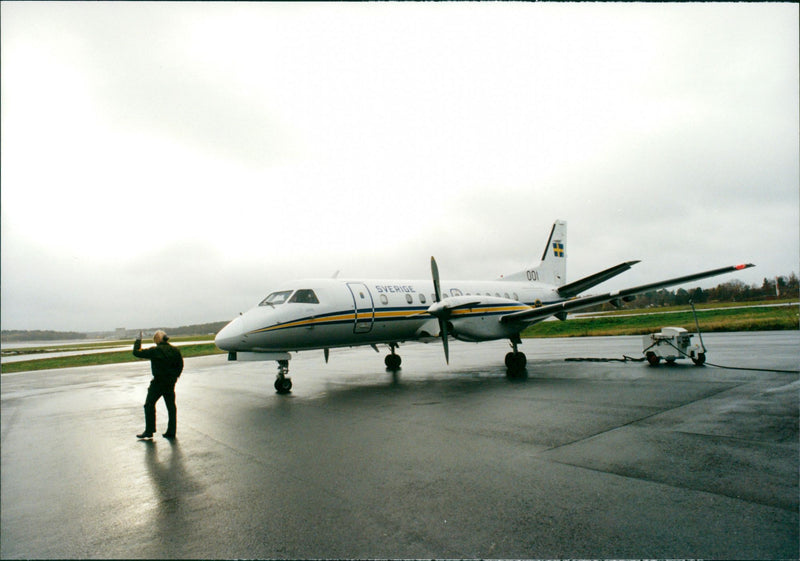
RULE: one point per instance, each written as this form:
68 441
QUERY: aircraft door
363 306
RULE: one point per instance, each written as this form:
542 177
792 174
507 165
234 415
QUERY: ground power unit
671 344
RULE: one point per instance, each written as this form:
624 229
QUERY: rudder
553 268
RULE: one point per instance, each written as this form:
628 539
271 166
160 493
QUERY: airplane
330 313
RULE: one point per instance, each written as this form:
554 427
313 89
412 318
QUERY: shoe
168 435
144 435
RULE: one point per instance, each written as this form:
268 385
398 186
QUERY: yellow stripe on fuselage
306 322
388 314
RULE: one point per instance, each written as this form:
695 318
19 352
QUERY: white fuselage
341 313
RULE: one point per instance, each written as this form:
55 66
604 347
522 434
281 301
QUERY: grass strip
699 307
720 320
188 351
67 347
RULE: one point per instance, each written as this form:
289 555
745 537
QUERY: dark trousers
157 389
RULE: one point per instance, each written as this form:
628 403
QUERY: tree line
15 335
778 288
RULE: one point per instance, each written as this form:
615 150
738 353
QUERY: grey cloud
144 77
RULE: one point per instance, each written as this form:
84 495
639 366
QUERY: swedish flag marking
558 249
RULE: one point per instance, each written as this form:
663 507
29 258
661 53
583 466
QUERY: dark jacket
165 360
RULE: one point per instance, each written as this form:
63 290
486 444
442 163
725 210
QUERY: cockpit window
304 296
276 298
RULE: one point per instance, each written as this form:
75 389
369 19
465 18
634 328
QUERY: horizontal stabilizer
575 288
542 312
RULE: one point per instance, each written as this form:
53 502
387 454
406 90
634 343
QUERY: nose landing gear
283 385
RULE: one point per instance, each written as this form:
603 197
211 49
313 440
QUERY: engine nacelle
477 318
480 329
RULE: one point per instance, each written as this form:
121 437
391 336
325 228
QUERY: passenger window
304 296
421 298
276 298
384 299
516 297
506 296
409 299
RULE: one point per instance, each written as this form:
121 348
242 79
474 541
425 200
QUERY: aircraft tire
653 359
515 362
392 362
283 385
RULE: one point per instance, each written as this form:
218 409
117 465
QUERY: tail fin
553 268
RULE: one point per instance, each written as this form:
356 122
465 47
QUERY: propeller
439 311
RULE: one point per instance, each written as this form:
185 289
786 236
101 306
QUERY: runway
578 460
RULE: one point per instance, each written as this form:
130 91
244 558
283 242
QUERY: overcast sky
167 164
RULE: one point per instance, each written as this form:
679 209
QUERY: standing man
166 363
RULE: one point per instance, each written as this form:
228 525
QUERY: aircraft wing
578 286
537 314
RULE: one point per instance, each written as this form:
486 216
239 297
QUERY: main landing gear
393 360
516 361
283 385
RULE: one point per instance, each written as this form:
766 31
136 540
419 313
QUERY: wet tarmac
580 459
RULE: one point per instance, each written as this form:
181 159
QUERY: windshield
276 298
304 296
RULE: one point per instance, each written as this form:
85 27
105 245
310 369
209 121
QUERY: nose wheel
283 384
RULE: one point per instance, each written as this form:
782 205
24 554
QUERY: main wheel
283 385
392 362
515 362
653 359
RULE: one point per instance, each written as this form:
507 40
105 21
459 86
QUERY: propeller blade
435 273
442 320
443 330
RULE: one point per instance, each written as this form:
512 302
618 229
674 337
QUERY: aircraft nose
231 336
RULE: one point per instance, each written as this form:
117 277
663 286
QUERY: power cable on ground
626 358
